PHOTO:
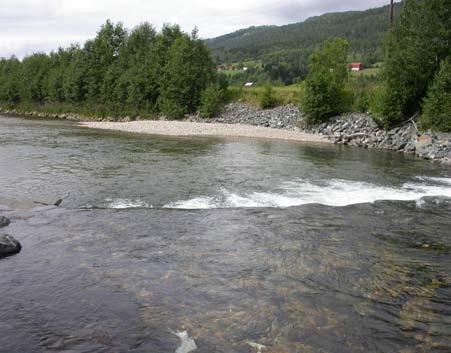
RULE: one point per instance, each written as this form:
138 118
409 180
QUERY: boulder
9 246
4 221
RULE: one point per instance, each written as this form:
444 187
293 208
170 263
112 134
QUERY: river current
219 245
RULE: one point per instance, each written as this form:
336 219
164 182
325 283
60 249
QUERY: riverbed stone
4 221
9 245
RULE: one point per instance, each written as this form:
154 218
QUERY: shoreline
280 123
186 128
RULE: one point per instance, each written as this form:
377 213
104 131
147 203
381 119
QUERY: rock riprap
9 245
360 130
282 117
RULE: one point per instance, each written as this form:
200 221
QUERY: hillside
292 44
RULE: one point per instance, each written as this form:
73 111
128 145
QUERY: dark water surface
240 243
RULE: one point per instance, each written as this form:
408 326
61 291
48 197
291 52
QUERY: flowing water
219 245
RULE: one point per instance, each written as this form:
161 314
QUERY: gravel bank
184 128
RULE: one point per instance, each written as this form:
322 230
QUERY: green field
284 94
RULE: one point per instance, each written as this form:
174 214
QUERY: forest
119 72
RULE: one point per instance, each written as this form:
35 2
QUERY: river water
219 245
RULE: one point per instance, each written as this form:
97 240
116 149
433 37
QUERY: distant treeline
285 50
118 72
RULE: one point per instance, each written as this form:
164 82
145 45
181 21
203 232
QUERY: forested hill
364 30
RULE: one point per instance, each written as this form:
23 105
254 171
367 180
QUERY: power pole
391 13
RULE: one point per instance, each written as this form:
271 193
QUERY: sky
28 26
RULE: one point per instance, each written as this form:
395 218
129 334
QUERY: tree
324 87
10 76
100 53
35 69
75 76
437 104
417 44
188 71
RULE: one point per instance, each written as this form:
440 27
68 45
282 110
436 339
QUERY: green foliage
267 98
251 95
325 93
437 104
361 90
10 73
211 101
118 72
415 47
34 73
362 102
186 74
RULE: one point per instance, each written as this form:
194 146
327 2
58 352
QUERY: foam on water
436 180
126 203
335 192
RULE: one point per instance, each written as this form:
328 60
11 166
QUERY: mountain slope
364 30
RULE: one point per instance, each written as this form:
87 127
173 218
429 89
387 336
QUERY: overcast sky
27 26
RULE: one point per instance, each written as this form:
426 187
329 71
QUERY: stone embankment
282 117
42 115
360 130
352 129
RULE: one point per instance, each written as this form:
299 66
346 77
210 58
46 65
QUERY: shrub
267 98
362 102
211 101
437 104
172 108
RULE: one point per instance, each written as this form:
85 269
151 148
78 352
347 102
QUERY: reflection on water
102 276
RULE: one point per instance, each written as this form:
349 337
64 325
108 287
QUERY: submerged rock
188 344
9 246
4 221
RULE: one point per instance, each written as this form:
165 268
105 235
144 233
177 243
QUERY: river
219 245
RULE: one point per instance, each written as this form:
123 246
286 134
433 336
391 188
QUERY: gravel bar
184 128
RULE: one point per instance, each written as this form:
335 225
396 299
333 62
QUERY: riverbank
188 128
354 129
283 122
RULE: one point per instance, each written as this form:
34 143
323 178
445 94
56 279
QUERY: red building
356 66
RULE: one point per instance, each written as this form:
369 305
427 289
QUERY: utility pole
391 13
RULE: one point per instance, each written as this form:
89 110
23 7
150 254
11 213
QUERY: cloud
28 26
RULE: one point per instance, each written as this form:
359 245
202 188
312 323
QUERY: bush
437 104
211 101
362 102
267 98
325 94
322 99
172 108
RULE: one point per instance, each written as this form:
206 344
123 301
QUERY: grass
284 94
87 111
374 71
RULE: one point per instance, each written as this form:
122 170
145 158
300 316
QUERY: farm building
356 66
